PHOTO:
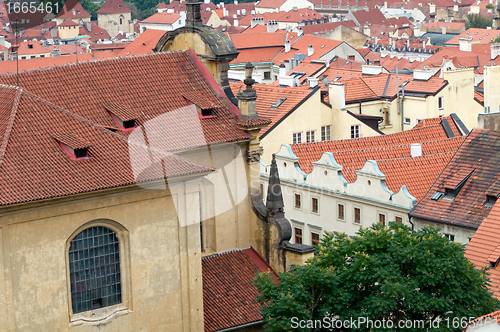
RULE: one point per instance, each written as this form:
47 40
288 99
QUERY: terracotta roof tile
270 3
373 16
73 9
113 7
300 15
479 97
229 296
68 23
326 27
31 47
321 46
73 97
267 95
483 245
480 152
479 36
144 44
393 153
162 18
96 32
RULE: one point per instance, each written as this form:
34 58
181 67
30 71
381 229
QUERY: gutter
234 328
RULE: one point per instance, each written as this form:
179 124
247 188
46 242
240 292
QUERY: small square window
297 201
314 205
381 219
407 121
267 75
298 235
340 214
399 220
297 138
357 215
314 239
326 133
355 131
311 136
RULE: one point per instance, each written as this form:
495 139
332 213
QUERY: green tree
489 6
477 21
384 273
91 7
497 40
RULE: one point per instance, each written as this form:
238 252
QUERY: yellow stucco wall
492 88
165 290
68 32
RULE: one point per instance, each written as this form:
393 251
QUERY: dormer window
204 107
122 116
75 147
456 182
490 200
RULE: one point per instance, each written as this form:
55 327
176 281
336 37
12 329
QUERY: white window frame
355 131
297 137
406 121
326 133
310 136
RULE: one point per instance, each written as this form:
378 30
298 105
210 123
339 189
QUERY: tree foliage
477 21
497 40
91 7
384 273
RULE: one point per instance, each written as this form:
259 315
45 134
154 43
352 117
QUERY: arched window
121 20
94 263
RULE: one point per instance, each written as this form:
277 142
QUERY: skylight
278 103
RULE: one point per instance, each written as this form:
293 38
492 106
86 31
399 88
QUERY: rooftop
466 195
162 18
229 296
113 7
479 36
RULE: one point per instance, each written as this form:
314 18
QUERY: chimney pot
310 50
416 150
288 46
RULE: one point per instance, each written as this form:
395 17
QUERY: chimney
432 8
416 150
282 70
56 52
238 12
272 26
236 2
443 30
193 14
337 95
465 44
313 82
236 23
288 46
407 44
310 50
256 21
294 9
235 16
366 30
300 32
206 1
495 50
423 45
370 69
247 97
455 8
243 12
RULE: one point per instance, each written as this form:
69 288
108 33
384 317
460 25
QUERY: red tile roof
9 67
479 36
373 16
480 152
484 243
68 23
162 18
267 95
247 19
229 296
113 7
308 68
143 44
479 97
390 64
270 3
326 27
72 98
96 32
392 153
300 15
321 46
448 25
31 47
67 49
70 7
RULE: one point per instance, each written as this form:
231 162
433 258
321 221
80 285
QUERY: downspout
360 108
402 106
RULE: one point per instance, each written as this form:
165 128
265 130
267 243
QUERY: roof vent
416 150
75 147
436 196
277 103
203 106
122 116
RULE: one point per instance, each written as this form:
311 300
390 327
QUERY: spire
193 14
274 202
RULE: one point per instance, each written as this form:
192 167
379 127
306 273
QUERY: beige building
72 10
68 29
115 17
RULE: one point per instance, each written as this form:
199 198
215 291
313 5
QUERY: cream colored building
115 17
324 201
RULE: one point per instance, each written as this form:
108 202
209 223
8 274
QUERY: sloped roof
480 153
113 7
73 97
321 46
9 67
299 15
393 154
484 243
162 18
267 95
372 16
73 9
479 36
325 27
479 97
96 32
31 47
229 296
68 23
270 3
143 44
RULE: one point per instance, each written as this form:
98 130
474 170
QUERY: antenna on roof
326 82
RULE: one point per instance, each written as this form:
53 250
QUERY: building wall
492 88
368 193
111 23
461 234
350 36
342 51
68 32
160 262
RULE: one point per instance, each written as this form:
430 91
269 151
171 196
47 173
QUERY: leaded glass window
94 262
